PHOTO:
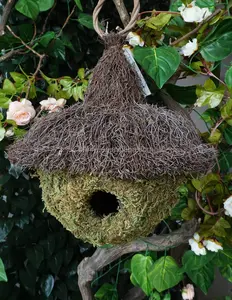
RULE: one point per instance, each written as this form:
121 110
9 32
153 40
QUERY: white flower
228 206
189 48
212 245
188 292
9 132
21 112
192 13
196 245
52 105
134 39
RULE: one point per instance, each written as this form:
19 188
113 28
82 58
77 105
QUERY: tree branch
5 15
123 13
88 268
195 30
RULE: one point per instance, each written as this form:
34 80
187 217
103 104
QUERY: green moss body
143 205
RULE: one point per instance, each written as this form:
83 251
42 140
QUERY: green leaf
28 8
226 110
2 133
27 278
225 161
61 290
182 94
4 179
226 272
46 38
5 228
8 87
177 210
45 5
140 267
218 44
58 49
203 277
107 291
187 214
35 255
77 93
155 296
55 262
165 274
159 63
47 285
158 22
209 94
85 20
66 81
4 102
206 3
78 3
18 77
228 135
228 78
81 73
223 258
3 276
215 137
194 262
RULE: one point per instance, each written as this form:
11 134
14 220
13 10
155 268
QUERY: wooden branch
5 15
9 55
66 21
88 268
195 30
123 13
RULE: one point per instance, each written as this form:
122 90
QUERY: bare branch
5 15
121 8
9 55
88 268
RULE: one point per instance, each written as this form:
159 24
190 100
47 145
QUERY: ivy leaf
18 77
206 3
158 22
35 255
46 38
223 258
78 3
182 94
218 44
226 110
47 285
8 87
194 262
45 5
165 274
3 276
2 133
28 8
55 262
215 137
226 272
228 135
228 78
225 161
140 267
58 49
209 94
85 20
5 228
107 291
177 210
159 63
203 277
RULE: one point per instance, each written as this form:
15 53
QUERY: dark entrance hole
103 203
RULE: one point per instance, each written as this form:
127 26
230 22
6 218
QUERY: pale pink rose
52 105
188 292
21 112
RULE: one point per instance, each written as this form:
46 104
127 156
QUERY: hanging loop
130 25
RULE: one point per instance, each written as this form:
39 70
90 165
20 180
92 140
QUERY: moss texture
143 204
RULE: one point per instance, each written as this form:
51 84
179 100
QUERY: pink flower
21 112
52 105
188 292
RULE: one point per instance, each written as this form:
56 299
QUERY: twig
24 44
66 21
195 30
123 13
216 126
202 208
5 15
47 18
157 12
9 55
88 268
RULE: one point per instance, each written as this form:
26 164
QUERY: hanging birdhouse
109 168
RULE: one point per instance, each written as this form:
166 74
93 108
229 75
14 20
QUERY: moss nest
102 210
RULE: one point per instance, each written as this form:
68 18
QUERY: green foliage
107 292
160 63
3 276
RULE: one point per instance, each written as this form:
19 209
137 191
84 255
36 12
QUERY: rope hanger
131 24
